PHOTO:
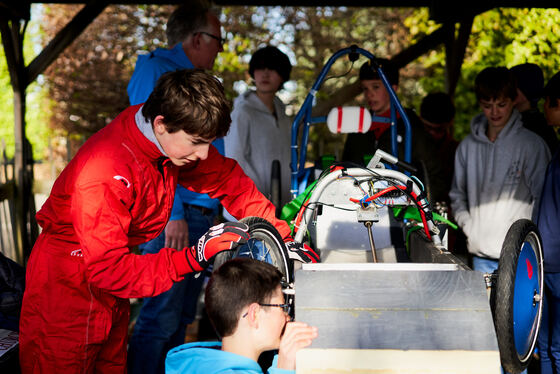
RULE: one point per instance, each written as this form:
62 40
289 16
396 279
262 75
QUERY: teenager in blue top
194 35
246 306
548 221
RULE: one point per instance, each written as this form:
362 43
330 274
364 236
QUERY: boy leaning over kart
117 193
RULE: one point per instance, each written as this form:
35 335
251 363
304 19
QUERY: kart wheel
519 292
265 244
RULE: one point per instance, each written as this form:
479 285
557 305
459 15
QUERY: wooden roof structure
14 15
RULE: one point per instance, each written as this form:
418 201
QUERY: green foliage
94 71
6 105
318 34
38 130
248 28
500 37
87 82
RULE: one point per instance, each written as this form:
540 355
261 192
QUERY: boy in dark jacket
548 221
360 147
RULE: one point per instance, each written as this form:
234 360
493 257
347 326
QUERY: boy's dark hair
187 19
530 81
235 285
271 58
438 108
192 101
495 82
368 72
552 90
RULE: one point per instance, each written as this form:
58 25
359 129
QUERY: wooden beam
9 28
15 9
341 96
350 3
425 44
455 53
400 60
297 3
65 37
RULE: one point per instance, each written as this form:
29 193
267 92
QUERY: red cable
300 215
380 193
392 188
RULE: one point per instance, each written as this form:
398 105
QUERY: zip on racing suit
116 193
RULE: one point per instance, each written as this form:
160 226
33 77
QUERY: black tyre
427 183
518 295
265 244
275 186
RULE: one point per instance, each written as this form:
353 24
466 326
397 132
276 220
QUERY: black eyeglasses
219 39
285 307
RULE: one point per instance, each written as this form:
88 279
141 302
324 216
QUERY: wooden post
12 28
12 38
21 177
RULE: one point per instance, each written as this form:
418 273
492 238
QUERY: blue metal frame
304 115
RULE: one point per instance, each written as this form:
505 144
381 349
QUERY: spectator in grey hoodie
260 129
499 169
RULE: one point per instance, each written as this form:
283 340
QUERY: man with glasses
218 38
247 308
194 37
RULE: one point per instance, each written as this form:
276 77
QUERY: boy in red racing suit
116 193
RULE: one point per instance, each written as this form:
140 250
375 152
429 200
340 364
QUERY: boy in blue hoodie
247 308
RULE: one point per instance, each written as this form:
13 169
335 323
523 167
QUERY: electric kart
379 312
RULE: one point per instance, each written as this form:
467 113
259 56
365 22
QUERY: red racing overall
116 193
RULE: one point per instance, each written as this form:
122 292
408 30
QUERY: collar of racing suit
146 129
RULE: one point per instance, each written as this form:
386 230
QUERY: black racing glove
219 238
301 252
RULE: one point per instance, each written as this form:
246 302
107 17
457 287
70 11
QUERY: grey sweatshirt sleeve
535 170
458 192
237 142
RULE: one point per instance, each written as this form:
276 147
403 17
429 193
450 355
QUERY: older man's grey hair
187 19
